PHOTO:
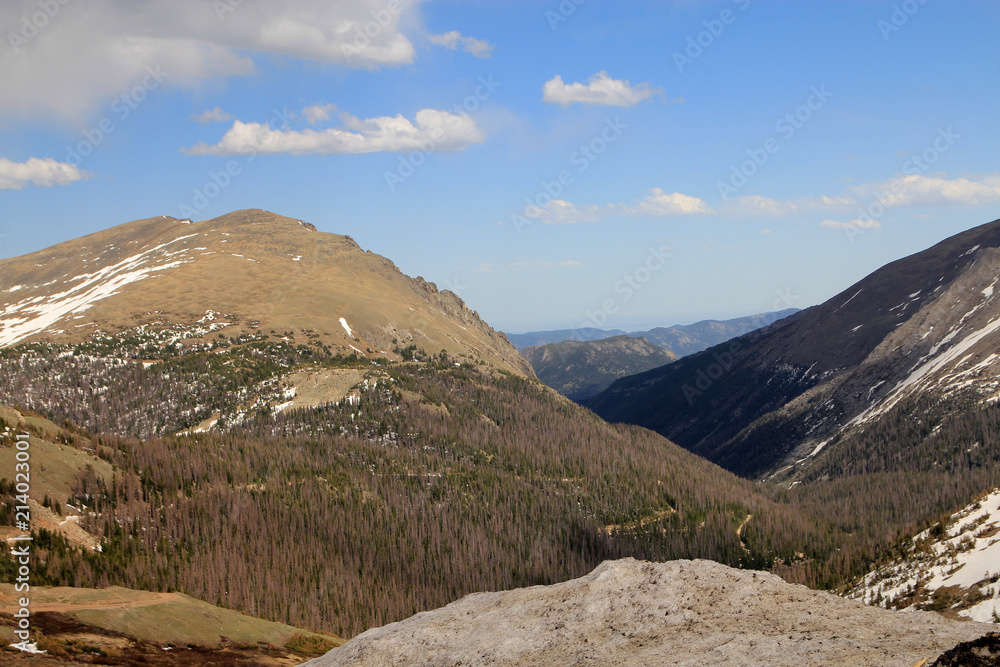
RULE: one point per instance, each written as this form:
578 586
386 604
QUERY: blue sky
558 164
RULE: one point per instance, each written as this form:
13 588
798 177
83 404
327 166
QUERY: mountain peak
260 271
256 217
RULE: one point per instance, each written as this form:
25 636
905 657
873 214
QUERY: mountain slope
922 325
247 272
579 370
685 339
536 338
282 475
951 566
682 339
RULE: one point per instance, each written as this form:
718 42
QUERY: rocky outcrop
630 612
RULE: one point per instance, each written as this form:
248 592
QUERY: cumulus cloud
600 89
562 212
45 172
431 130
759 205
91 52
657 203
923 190
216 115
454 40
318 113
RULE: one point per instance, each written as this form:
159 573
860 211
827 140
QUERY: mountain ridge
264 270
786 386
581 369
681 339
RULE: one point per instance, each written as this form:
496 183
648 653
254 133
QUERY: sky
556 163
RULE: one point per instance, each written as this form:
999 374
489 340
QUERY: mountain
682 339
537 338
247 273
951 566
685 339
685 612
881 377
579 370
182 446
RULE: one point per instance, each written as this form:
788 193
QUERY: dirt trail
78 606
739 532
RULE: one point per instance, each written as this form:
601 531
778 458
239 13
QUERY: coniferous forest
441 480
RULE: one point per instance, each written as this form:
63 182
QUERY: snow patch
849 300
347 327
37 314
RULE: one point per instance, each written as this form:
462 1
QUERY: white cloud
922 190
759 205
852 224
433 130
561 212
599 89
454 40
45 172
823 200
90 53
658 203
318 113
216 115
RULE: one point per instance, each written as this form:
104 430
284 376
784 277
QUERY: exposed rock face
630 612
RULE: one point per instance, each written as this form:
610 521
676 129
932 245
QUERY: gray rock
630 612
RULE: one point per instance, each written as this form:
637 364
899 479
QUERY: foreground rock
630 612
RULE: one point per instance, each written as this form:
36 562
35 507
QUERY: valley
249 459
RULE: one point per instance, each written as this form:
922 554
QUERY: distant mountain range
681 339
581 369
580 363
893 373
